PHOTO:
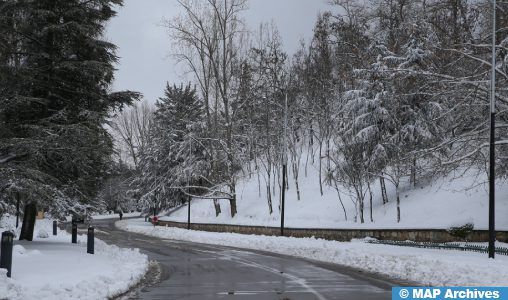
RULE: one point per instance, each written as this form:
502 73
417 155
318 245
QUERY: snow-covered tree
211 36
174 159
55 76
131 129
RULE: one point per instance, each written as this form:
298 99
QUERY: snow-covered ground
53 268
115 216
424 266
436 204
105 216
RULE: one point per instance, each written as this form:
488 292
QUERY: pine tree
55 77
175 157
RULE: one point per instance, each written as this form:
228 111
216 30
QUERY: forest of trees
386 90
389 90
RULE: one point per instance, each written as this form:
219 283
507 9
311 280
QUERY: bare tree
132 128
214 31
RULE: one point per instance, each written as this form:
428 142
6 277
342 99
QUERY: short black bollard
90 241
74 233
54 227
6 251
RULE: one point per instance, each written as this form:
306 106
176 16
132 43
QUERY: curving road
198 271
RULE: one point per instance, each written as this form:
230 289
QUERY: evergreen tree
174 158
55 76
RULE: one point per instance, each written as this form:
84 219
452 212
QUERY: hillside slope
444 202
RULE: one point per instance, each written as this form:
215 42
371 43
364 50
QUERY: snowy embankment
51 267
439 203
424 266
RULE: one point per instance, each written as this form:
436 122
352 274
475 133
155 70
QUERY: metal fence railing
443 246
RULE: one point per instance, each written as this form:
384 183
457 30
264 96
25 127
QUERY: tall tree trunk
232 204
340 199
356 211
269 198
232 201
216 204
275 177
383 189
328 164
259 183
249 164
413 172
27 229
307 163
398 201
312 143
295 178
370 202
268 156
320 168
361 204
311 131
269 190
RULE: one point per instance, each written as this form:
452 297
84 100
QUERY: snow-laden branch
212 192
9 157
487 63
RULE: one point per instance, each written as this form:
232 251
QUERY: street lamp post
17 209
154 206
188 211
284 165
155 195
492 167
189 178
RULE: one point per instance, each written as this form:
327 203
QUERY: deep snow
424 266
53 268
438 203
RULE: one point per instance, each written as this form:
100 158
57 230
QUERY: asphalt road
199 271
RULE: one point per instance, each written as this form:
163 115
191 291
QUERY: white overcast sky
144 44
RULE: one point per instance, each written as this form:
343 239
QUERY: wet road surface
198 271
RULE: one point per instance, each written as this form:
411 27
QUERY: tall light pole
155 195
284 165
17 209
189 197
492 150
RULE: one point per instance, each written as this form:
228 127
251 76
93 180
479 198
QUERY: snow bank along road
201 271
52 268
425 266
